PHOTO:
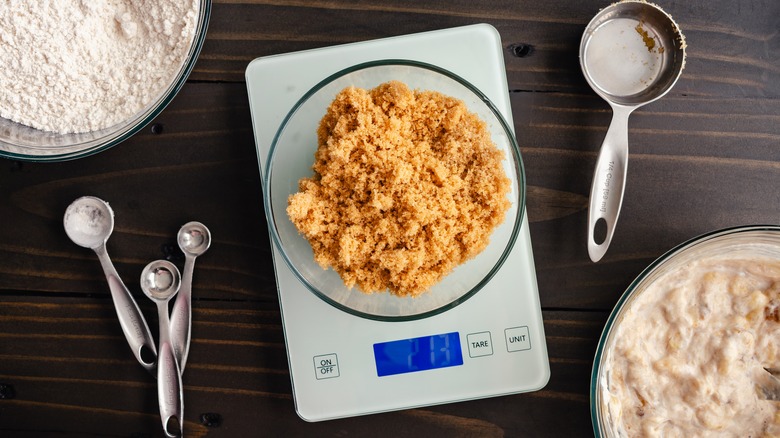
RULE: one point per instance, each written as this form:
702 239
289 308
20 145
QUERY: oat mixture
407 185
689 351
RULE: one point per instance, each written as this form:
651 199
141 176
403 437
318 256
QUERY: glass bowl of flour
687 344
81 77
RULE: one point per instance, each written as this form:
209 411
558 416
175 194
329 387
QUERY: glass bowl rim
595 409
145 117
517 164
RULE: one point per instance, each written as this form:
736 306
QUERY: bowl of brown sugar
394 190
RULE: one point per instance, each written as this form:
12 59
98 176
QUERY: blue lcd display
418 354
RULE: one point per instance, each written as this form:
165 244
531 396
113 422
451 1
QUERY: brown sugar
407 185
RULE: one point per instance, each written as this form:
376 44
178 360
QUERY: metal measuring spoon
631 54
160 281
89 222
768 384
194 239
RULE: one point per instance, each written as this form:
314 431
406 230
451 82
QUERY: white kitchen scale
345 365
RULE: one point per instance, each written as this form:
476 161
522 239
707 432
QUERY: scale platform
491 345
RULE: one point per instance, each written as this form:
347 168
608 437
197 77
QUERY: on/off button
326 366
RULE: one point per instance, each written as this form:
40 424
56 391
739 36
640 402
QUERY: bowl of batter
682 352
80 77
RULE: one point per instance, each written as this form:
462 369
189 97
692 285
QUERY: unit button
517 339
326 366
480 344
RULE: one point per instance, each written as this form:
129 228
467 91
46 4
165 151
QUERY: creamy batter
687 351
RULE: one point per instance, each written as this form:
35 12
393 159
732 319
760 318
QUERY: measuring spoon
89 221
160 281
194 239
631 54
768 384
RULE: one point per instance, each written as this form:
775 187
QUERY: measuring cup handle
609 182
130 317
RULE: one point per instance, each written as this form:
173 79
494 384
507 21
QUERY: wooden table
706 156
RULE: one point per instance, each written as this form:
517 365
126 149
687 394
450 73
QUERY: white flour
83 65
89 220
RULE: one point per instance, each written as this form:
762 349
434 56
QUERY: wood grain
70 365
704 157
732 47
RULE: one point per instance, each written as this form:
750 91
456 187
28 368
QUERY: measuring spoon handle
170 393
130 317
609 182
181 315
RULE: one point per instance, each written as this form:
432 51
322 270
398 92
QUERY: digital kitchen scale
344 365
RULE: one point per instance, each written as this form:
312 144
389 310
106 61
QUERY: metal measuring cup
631 54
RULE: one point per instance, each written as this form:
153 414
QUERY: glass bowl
291 158
20 142
750 241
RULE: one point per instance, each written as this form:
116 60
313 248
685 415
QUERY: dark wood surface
706 156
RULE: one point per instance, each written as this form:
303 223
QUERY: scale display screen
418 354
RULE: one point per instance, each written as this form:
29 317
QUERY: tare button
479 344
326 366
517 339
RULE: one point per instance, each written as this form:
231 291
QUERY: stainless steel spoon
160 281
89 222
768 384
631 54
194 239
